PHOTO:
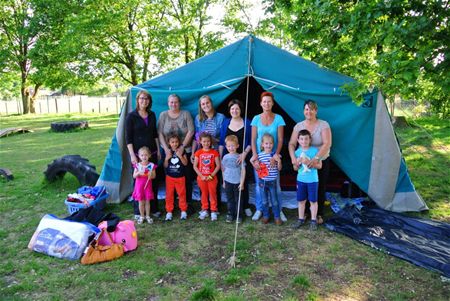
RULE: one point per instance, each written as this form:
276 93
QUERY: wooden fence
66 104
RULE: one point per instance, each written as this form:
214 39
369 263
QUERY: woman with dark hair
140 130
242 129
321 139
179 122
273 124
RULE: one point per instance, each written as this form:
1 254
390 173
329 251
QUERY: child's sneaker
140 220
248 212
282 216
203 214
136 217
229 218
257 215
168 216
213 216
313 225
298 223
149 219
183 215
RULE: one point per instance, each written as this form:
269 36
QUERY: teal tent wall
362 135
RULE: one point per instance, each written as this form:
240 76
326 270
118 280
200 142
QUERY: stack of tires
76 165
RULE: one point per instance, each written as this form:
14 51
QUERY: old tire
74 164
6 173
64 126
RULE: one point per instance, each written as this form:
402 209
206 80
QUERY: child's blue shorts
307 191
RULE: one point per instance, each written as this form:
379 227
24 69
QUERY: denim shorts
307 191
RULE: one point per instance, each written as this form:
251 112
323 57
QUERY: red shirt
206 161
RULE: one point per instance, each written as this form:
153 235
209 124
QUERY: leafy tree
399 46
8 85
30 31
18 37
136 40
118 38
191 18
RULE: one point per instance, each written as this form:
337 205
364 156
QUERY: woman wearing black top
141 131
241 128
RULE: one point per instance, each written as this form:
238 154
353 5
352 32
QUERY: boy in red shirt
207 165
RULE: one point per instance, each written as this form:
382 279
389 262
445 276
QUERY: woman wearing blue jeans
273 124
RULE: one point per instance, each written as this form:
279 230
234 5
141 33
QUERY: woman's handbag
97 253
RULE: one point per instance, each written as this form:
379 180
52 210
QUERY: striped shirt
273 170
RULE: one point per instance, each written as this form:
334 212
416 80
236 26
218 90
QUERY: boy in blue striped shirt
268 174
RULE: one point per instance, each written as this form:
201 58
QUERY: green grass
426 149
189 260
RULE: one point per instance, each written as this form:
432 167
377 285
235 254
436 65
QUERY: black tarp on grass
423 242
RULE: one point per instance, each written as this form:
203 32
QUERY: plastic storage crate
98 203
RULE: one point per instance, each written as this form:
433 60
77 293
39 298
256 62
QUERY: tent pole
232 260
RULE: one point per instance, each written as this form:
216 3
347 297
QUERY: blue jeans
269 189
258 199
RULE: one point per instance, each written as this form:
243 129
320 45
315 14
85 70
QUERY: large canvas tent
364 142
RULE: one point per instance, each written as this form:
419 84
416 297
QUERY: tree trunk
186 48
33 98
23 86
25 99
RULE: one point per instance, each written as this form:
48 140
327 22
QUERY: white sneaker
149 220
203 214
213 216
140 220
283 217
248 212
168 216
257 215
183 215
136 217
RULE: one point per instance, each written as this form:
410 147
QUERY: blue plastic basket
99 203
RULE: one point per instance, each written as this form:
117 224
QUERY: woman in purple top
140 130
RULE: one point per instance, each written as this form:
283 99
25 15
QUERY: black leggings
323 173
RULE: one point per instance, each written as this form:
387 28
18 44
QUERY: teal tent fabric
361 134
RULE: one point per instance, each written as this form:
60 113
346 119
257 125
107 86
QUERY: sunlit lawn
189 260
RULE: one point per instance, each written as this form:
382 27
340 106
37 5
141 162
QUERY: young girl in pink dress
144 172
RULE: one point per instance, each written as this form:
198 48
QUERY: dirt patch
173 245
129 274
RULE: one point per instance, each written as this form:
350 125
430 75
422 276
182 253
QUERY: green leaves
389 44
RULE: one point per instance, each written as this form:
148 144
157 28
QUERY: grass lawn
188 260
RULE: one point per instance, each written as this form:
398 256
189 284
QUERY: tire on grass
6 173
64 126
74 164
